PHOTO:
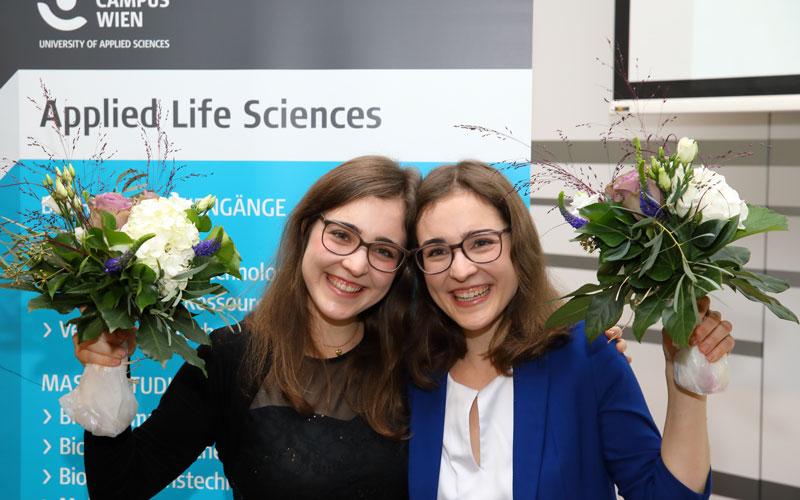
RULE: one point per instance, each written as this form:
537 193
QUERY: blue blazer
581 425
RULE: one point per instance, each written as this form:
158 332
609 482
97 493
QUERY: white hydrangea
715 198
171 247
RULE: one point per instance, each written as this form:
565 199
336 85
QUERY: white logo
58 23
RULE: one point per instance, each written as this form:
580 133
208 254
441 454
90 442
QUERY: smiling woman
503 407
309 400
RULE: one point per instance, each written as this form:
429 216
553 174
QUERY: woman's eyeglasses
481 248
340 239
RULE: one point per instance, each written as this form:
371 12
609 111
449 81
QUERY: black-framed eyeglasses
341 239
481 248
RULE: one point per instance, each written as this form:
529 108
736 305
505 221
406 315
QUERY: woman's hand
712 335
615 333
109 349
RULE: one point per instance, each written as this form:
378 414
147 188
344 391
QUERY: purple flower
115 265
574 221
207 248
649 207
116 204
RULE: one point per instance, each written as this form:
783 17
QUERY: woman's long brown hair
280 329
437 341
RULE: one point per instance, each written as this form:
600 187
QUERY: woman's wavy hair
437 341
280 327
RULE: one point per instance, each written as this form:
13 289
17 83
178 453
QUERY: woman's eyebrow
463 237
357 230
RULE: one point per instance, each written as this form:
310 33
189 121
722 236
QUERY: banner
259 101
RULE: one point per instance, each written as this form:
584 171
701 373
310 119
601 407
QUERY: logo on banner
112 18
58 23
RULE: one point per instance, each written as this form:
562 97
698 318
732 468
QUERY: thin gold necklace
338 348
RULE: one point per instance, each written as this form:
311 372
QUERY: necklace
338 348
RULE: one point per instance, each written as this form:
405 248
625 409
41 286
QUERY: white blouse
459 475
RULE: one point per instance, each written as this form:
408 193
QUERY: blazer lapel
425 446
530 418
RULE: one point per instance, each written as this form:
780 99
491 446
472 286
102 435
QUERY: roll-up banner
259 98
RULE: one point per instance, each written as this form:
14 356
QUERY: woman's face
473 295
342 286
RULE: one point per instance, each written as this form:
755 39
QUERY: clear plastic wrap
694 373
103 402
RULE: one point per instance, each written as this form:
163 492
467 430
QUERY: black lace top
268 450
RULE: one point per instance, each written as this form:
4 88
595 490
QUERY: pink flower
625 189
116 204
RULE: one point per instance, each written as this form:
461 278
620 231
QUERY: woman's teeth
467 294
344 285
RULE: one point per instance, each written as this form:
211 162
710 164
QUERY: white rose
709 194
80 234
580 200
49 202
171 247
687 150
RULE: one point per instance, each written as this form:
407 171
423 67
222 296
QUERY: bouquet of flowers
124 259
664 231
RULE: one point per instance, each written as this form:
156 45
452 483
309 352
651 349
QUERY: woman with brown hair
503 407
308 401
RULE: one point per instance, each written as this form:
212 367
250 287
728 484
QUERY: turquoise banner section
42 452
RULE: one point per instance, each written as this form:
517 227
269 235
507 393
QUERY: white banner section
298 115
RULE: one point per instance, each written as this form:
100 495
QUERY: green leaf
146 296
618 253
183 322
84 288
706 233
153 338
117 318
90 329
188 353
679 320
608 273
665 266
191 272
655 247
764 282
724 238
212 289
597 212
610 235
757 295
759 220
53 284
643 223
25 286
604 311
204 224
738 256
227 254
649 311
585 289
62 303
94 239
571 312
113 236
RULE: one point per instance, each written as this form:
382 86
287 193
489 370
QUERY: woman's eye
385 252
482 242
432 253
340 235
